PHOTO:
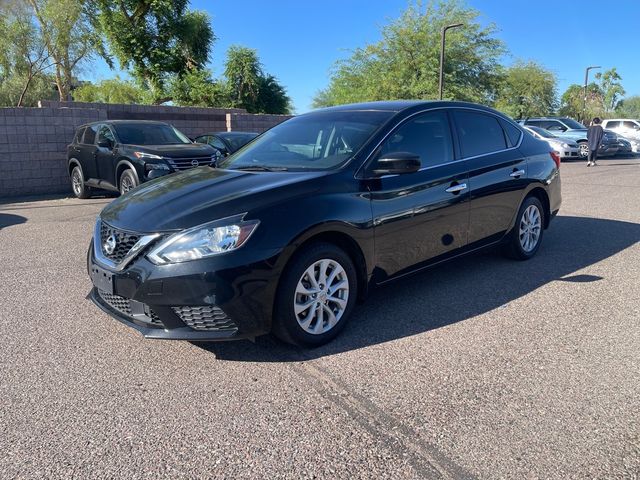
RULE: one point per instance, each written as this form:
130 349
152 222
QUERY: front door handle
455 189
516 173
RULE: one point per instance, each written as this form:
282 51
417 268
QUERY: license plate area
102 279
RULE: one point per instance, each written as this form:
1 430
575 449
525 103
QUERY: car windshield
317 141
571 123
239 139
149 134
542 132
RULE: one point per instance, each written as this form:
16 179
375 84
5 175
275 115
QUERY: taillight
556 158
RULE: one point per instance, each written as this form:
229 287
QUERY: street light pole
441 78
584 100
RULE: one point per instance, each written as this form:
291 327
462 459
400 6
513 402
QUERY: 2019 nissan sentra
287 234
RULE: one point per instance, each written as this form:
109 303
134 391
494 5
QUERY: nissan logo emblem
195 163
109 245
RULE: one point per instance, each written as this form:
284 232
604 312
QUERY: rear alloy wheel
584 149
526 236
80 190
317 294
128 182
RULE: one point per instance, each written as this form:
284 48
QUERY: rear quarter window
79 134
513 133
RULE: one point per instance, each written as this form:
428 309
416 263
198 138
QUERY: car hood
204 194
180 150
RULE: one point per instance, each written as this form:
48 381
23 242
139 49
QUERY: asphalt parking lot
484 368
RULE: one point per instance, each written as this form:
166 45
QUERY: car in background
119 155
569 128
625 146
289 232
226 142
627 128
565 147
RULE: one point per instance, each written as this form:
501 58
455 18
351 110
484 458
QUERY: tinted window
571 123
535 123
90 135
149 134
479 133
513 132
79 134
105 133
631 125
427 135
217 143
316 141
202 139
237 141
611 124
554 126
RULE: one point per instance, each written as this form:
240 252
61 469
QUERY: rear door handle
455 189
516 173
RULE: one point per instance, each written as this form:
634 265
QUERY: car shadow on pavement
8 219
457 291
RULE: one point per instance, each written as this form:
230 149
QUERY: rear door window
90 135
478 133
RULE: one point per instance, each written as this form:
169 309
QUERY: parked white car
627 128
565 147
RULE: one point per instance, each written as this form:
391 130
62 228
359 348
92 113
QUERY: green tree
69 36
572 101
528 90
197 88
249 86
24 60
629 107
405 62
114 90
612 89
156 39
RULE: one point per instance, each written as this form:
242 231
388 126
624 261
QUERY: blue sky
298 41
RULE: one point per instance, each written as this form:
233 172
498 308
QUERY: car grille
209 318
123 306
187 163
124 242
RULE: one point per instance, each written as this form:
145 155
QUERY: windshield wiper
260 168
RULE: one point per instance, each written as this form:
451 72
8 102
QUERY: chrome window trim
463 159
135 250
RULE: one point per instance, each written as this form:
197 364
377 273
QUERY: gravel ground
482 368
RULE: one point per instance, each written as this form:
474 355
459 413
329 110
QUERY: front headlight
147 155
204 241
565 145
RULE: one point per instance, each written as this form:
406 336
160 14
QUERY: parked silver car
565 147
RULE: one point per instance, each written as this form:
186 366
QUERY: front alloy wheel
127 182
316 295
321 296
584 149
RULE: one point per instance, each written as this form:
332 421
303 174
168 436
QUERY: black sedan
226 142
288 233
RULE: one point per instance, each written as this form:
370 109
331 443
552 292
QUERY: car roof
228 134
399 106
129 122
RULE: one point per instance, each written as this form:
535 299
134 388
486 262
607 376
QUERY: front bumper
569 152
204 300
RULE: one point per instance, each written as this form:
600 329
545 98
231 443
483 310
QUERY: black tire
286 325
513 247
128 181
80 190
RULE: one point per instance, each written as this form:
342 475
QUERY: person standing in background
594 137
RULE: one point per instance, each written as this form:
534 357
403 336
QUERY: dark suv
288 232
120 154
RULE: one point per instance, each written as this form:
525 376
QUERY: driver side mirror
397 163
104 143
